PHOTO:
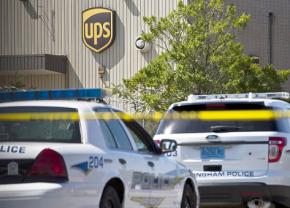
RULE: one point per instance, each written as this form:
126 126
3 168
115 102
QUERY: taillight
48 166
276 145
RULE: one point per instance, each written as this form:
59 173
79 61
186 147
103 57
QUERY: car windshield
175 126
38 130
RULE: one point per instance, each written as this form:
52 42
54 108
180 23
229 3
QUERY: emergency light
67 94
267 95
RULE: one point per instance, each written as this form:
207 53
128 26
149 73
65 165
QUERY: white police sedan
61 154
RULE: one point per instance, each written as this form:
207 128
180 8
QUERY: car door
164 171
131 166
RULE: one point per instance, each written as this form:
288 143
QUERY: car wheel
188 198
110 198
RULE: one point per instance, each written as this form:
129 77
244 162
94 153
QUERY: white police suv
61 154
237 145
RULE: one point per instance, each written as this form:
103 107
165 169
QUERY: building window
255 59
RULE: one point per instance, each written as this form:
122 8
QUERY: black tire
110 199
188 197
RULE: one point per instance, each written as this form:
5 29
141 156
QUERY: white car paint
246 152
84 188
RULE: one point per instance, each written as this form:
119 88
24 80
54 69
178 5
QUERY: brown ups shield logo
98 28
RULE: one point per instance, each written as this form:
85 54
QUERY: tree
13 86
200 55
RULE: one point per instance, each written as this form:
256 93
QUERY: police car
236 147
56 152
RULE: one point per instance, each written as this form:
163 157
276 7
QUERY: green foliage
200 56
14 86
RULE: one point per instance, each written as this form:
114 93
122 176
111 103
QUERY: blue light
68 94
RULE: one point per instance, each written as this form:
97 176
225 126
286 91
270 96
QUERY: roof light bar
267 95
67 94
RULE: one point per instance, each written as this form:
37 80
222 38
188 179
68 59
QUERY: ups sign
98 28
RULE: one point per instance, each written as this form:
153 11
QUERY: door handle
151 164
122 161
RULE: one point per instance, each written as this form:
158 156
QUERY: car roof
267 102
55 103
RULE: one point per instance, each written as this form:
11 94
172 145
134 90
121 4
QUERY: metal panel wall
54 27
265 38
34 82
256 35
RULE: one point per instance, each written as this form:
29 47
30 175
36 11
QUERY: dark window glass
120 135
140 139
39 130
109 138
200 126
117 130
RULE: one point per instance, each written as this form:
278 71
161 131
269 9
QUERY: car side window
141 138
120 137
109 138
141 146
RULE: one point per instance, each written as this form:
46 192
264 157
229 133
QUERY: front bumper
47 195
237 194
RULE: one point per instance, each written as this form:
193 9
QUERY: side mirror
168 145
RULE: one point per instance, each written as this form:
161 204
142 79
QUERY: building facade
267 35
43 44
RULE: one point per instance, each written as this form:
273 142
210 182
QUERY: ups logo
98 28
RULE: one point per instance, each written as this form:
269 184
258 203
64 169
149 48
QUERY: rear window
199 126
39 130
